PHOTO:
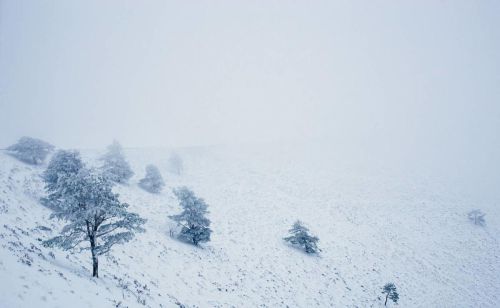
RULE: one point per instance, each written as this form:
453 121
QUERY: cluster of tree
97 220
114 165
118 170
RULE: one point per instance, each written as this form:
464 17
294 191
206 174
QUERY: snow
375 226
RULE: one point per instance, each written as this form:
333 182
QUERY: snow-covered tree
477 217
61 164
299 236
97 220
153 181
115 167
175 164
62 167
195 226
30 150
390 292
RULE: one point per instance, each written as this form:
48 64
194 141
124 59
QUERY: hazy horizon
407 78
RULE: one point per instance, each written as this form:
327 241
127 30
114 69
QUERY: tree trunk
194 239
386 297
95 266
95 261
91 232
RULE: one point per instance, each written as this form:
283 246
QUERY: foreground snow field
375 226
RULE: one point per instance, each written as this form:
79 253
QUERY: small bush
300 237
477 217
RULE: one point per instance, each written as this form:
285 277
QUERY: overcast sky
405 74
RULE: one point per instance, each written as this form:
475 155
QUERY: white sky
410 75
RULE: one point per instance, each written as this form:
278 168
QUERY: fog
418 80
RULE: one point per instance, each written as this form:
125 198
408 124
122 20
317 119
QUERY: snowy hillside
375 226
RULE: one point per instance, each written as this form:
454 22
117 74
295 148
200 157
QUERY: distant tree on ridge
30 150
115 166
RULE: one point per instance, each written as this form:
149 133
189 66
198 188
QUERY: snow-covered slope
375 226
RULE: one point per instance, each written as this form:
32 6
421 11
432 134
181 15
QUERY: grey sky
403 74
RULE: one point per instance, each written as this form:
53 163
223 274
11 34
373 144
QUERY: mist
249 153
413 83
